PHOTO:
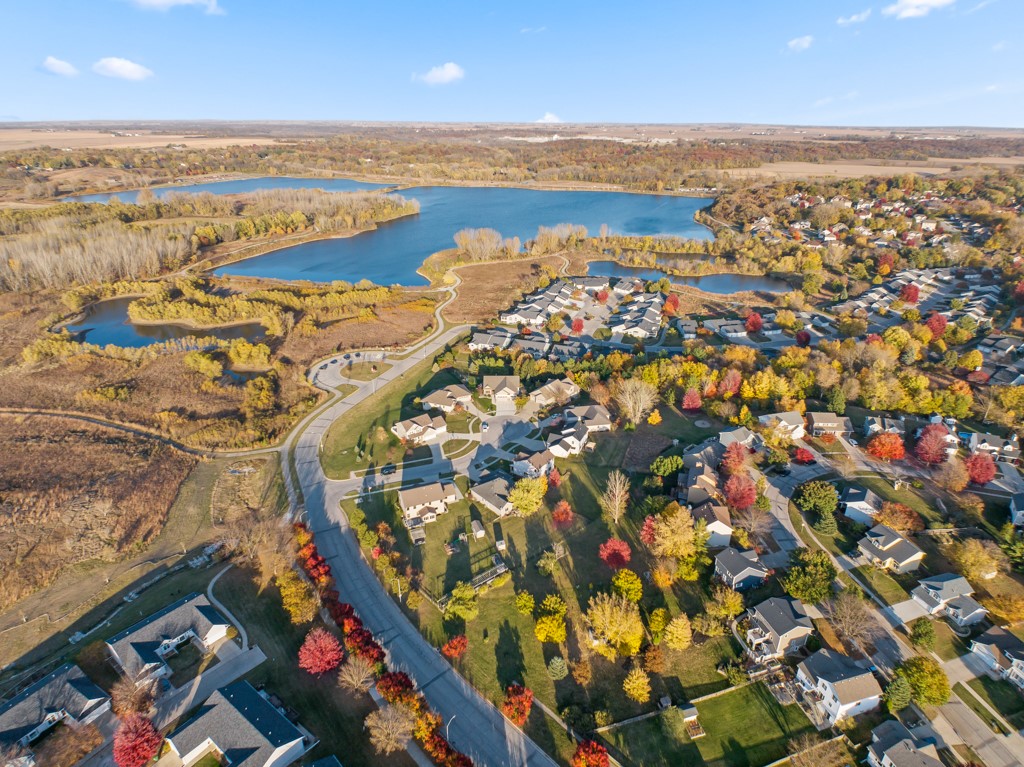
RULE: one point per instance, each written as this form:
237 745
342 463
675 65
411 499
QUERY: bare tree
757 522
127 697
851 616
390 728
356 675
262 541
635 398
808 750
616 495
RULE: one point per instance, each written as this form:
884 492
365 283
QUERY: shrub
557 668
517 705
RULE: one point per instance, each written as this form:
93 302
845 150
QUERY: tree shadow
508 652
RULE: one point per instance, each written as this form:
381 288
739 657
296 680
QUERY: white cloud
532 30
442 75
979 6
914 9
850 96
550 117
165 5
1000 46
112 66
798 44
59 67
991 88
856 18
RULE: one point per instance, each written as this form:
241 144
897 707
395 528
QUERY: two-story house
779 626
949 595
888 549
837 686
718 521
556 392
533 465
739 570
789 424
1003 653
448 398
421 505
421 429
892 745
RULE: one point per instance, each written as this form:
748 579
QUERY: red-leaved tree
803 455
731 382
937 323
562 514
590 753
671 307
734 459
648 533
554 478
981 469
602 296
320 652
887 447
395 687
615 553
740 492
754 323
910 293
577 326
692 400
517 705
931 446
136 741
455 647
803 338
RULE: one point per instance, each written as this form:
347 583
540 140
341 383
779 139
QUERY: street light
449 725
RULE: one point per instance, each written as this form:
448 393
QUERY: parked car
388 469
485 427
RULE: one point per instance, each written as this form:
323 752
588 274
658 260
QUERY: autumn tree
740 492
136 741
320 652
550 626
577 326
679 633
922 634
952 475
462 603
615 553
616 621
928 682
754 323
635 398
886 447
626 583
356 674
666 465
527 495
910 293
615 497
937 324
810 576
590 753
455 647
524 602
851 616
734 460
976 559
128 697
803 455
562 514
692 400
517 705
725 603
637 685
981 469
899 517
931 445
297 597
390 728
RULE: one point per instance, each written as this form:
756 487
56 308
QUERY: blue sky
837 62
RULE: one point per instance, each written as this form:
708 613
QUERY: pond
393 252
106 322
238 186
711 283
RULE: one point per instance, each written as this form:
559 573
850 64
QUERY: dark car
780 469
388 469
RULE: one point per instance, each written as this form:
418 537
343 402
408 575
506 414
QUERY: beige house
422 428
888 549
422 504
502 389
557 392
447 399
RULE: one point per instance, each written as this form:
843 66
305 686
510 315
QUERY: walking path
224 611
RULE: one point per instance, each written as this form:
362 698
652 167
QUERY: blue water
107 323
711 283
238 186
392 253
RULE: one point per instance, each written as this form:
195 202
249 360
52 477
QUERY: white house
423 504
874 424
719 523
890 550
1003 653
570 441
892 745
837 686
789 424
594 417
485 340
533 465
1017 509
237 725
778 626
860 504
422 428
949 595
1006 450
141 651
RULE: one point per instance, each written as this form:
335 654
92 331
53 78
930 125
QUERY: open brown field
858 168
26 138
72 492
488 289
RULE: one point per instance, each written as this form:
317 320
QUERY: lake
238 186
711 283
394 251
107 322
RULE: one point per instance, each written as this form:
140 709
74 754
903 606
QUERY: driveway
908 611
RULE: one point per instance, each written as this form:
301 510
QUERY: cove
393 252
106 322
711 283
238 186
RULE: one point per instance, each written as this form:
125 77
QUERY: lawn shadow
508 652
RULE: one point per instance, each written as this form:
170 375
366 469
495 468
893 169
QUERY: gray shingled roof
884 542
66 689
136 646
734 563
494 490
783 614
245 727
851 682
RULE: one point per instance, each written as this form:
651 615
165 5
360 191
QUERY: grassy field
329 712
884 585
1002 696
947 644
657 742
462 422
363 371
366 427
456 448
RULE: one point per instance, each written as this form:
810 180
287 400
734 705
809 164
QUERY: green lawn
325 709
363 438
189 663
884 585
455 448
363 371
657 742
462 422
918 500
1002 696
947 644
973 704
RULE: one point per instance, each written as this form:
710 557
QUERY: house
237 725
1017 509
421 505
65 695
888 549
485 340
892 745
949 595
502 390
535 345
687 329
594 417
860 504
789 424
874 424
1007 450
492 492
570 441
821 424
1003 653
779 626
698 484
533 465
557 392
589 284
719 523
421 428
739 570
448 398
838 686
141 652
740 434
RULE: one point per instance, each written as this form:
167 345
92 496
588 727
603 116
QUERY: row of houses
536 344
639 318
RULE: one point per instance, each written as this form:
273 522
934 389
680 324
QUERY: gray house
778 626
739 570
493 493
